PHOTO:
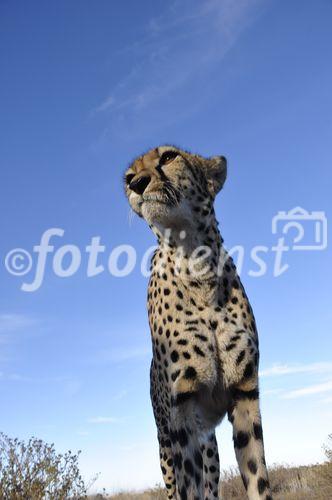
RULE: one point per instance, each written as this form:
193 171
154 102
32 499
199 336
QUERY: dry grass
288 483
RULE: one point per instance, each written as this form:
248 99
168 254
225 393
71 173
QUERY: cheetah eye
129 178
167 157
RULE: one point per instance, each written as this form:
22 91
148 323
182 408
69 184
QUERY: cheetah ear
216 171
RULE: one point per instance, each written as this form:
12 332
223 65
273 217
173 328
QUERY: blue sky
84 90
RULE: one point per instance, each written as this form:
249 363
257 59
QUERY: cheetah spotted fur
205 344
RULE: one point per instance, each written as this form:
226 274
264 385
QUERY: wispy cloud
309 390
106 104
120 395
314 369
70 385
176 49
119 355
82 432
103 420
277 369
11 323
272 392
15 377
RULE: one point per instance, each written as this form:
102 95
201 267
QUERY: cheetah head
170 187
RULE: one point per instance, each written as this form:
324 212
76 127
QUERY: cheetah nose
139 185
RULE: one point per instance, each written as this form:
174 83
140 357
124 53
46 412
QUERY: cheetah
204 337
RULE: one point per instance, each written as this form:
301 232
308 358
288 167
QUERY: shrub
325 469
33 470
328 449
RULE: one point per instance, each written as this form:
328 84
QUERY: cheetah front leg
166 464
210 454
248 443
165 445
187 454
